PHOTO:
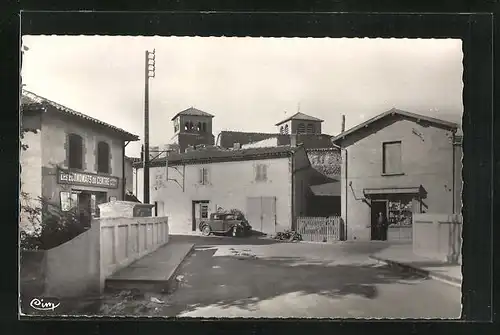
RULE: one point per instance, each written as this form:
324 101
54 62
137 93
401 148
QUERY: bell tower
192 127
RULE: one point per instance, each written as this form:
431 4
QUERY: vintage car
225 223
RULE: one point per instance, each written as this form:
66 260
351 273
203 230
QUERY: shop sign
86 179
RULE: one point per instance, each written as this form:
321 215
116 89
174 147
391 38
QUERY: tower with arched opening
192 127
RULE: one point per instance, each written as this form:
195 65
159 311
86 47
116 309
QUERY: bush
55 228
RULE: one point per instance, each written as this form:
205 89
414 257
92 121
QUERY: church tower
192 127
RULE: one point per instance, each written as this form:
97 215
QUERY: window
301 128
103 157
282 130
203 176
176 125
286 129
400 212
204 211
75 155
198 127
392 163
204 127
310 128
261 172
69 201
186 126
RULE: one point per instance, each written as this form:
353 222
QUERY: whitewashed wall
230 183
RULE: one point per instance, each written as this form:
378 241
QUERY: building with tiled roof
270 185
398 163
72 160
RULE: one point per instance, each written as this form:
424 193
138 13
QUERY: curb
425 273
171 278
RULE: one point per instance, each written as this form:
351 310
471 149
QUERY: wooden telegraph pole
149 73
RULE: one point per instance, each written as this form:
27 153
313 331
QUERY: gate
261 214
320 229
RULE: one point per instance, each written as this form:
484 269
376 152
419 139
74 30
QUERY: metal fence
320 229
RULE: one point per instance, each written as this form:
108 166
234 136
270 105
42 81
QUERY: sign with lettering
86 179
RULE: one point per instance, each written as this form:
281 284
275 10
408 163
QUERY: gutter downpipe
124 180
346 187
453 173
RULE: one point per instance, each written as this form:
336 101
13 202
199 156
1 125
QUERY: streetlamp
150 70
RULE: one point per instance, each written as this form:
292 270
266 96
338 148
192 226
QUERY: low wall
124 240
438 236
72 268
399 233
79 267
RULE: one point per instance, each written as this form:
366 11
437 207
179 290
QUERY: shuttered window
204 177
260 172
103 157
392 162
75 153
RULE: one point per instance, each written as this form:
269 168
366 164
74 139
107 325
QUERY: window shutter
110 153
205 176
84 154
200 177
96 155
257 172
264 172
66 148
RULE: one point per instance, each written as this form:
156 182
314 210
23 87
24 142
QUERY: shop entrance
200 212
88 205
377 232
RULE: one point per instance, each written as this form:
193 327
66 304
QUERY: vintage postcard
228 177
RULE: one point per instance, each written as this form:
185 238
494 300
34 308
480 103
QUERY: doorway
200 212
378 206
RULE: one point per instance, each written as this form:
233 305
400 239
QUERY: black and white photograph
241 177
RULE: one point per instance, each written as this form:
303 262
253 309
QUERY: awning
392 190
327 190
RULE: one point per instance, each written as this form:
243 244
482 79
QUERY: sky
248 84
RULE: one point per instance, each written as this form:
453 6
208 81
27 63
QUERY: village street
252 277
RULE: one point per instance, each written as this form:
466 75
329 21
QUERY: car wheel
206 230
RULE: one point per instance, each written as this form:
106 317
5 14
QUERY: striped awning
392 190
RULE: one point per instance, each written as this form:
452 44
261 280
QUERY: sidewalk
402 256
154 272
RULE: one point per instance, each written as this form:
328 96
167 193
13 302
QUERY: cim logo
44 304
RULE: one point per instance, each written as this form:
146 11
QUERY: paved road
226 277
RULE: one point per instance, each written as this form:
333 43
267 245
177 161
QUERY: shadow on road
215 240
244 281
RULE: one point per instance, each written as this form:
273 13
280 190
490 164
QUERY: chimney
293 140
343 123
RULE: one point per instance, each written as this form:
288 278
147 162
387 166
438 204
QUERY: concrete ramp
152 273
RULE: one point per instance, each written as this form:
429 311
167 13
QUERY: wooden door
268 214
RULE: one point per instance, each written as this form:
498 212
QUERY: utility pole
149 73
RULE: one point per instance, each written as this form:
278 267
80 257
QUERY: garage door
261 214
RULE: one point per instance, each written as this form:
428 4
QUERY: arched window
186 126
204 126
301 128
310 128
75 154
103 157
191 125
198 126
286 129
282 130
